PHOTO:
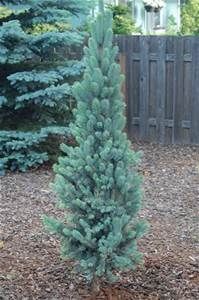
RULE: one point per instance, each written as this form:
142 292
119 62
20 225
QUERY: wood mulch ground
30 266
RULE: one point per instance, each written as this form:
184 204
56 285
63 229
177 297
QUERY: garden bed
30 266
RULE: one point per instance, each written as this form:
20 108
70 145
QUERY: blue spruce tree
39 40
97 181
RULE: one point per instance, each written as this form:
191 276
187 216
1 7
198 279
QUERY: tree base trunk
109 292
95 288
111 295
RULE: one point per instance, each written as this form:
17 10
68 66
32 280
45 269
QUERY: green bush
172 28
190 18
122 20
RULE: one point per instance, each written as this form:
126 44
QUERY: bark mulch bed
30 266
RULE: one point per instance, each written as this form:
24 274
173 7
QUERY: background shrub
122 20
190 18
39 42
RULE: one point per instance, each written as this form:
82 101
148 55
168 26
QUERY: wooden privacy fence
161 87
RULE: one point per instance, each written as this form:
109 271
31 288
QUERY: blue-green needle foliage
97 181
39 42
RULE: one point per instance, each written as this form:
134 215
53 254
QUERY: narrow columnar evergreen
39 42
97 181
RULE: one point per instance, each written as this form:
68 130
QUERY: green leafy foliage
5 11
122 20
46 27
39 44
172 28
97 181
190 18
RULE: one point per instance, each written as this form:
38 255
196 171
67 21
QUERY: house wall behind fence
161 87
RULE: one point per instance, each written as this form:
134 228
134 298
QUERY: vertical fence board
161 86
144 86
128 48
152 101
169 88
134 85
175 71
195 95
188 66
179 90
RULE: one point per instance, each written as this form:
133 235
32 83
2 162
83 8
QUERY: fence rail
161 87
